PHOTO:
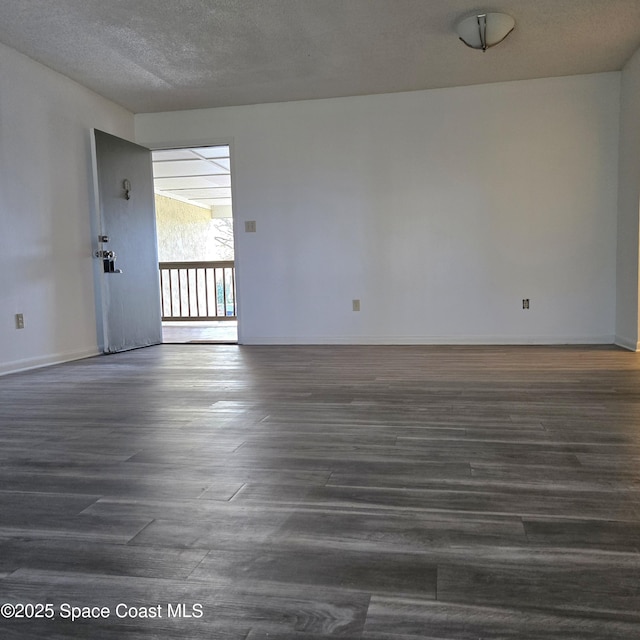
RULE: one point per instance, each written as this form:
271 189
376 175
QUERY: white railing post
180 285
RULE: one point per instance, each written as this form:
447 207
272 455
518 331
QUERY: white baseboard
44 361
626 343
429 340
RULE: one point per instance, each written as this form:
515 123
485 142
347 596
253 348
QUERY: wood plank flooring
378 493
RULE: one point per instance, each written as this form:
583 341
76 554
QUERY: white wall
439 209
45 194
627 333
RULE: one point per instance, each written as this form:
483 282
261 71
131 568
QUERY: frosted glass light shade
485 30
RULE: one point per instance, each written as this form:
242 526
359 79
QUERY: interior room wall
439 210
627 317
45 203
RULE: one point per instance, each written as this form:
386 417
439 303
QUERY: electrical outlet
250 226
525 303
356 305
19 321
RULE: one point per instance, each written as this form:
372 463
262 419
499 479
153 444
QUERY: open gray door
125 246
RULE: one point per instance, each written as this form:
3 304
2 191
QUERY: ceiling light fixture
485 30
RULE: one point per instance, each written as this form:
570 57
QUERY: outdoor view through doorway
195 244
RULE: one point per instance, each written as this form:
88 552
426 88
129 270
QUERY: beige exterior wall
186 232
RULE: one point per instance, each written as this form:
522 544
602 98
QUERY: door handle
108 261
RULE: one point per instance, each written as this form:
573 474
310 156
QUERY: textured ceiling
156 55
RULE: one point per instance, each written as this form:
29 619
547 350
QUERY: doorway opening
194 221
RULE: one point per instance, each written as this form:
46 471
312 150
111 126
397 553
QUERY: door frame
217 142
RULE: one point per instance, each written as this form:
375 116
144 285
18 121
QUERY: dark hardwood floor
381 493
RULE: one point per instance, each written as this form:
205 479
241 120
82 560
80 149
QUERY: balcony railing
198 290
